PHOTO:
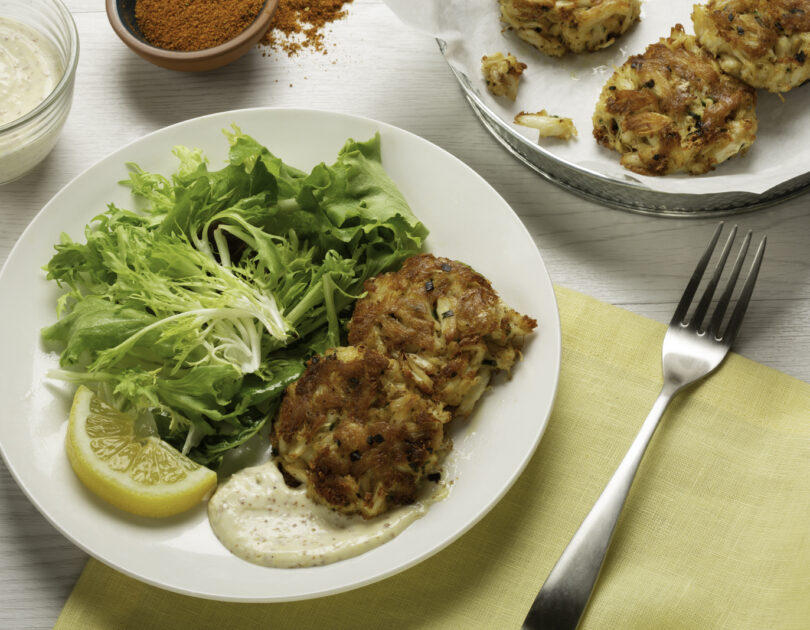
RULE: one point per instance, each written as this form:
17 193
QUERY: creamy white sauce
30 68
262 520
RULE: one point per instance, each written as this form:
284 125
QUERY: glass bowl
25 141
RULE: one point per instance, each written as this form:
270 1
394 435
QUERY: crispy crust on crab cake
672 109
765 43
557 26
354 432
445 325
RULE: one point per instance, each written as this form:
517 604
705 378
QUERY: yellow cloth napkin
715 534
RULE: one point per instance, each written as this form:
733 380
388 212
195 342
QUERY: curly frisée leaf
199 308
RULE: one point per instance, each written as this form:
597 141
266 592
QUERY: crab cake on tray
444 324
672 109
354 431
765 43
557 26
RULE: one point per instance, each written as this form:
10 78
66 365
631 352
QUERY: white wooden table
380 69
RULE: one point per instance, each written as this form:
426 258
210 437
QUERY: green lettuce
199 309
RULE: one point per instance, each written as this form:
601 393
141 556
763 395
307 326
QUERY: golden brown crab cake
357 435
557 26
765 43
671 109
445 325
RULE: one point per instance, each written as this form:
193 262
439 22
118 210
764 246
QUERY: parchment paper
570 87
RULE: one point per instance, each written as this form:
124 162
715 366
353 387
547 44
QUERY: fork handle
562 599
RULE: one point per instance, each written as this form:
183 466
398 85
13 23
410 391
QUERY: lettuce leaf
200 308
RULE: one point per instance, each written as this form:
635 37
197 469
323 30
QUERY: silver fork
690 352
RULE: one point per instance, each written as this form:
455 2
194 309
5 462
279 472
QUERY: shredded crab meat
502 74
548 125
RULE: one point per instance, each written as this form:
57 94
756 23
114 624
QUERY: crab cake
557 26
357 435
444 324
765 43
672 109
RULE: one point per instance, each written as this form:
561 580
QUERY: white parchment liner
570 87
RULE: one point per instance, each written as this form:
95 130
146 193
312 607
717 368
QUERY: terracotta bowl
121 14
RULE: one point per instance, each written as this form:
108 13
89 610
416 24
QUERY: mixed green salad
196 311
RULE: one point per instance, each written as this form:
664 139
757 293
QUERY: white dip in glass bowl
39 50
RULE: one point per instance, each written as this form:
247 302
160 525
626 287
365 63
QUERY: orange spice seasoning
299 24
188 25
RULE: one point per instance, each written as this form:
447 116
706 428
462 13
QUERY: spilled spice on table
194 24
299 24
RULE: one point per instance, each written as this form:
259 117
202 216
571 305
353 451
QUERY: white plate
468 220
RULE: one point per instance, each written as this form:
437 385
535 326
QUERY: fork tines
714 327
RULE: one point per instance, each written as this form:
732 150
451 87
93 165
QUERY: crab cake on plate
557 26
672 109
765 43
359 437
444 324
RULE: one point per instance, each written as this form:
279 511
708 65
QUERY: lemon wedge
141 475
